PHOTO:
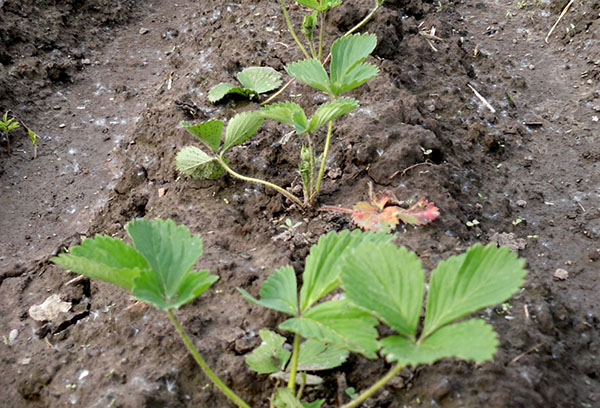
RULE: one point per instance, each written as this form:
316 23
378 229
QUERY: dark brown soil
109 128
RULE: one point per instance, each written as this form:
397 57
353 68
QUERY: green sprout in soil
254 80
381 283
157 269
7 125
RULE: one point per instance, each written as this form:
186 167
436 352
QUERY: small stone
25 361
50 309
561 274
86 61
62 125
532 67
144 30
56 107
12 336
161 192
594 118
522 203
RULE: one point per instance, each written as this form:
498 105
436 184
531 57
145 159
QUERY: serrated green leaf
171 252
472 340
260 79
316 356
278 292
310 72
329 4
386 281
106 259
347 53
340 323
219 91
321 273
330 111
241 128
193 162
270 356
209 133
355 78
289 113
481 277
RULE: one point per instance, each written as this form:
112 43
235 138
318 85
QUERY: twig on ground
520 356
482 99
403 172
558 21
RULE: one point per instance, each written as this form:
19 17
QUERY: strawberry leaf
193 162
259 79
270 356
420 213
209 133
221 90
278 292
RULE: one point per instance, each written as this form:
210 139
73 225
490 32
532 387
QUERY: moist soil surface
105 88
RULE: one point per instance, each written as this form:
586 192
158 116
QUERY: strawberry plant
157 269
381 283
348 71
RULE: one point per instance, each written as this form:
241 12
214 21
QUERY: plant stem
289 24
321 31
301 390
374 388
259 181
323 160
294 363
194 352
366 19
276 94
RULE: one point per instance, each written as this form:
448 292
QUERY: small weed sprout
7 125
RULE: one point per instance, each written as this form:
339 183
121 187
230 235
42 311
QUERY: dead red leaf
383 212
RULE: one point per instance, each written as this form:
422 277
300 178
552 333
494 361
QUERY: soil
105 88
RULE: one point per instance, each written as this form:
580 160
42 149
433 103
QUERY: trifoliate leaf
241 128
106 259
219 91
310 72
171 252
260 79
321 273
330 111
316 356
208 133
481 277
386 281
472 340
270 356
193 162
278 292
347 55
340 323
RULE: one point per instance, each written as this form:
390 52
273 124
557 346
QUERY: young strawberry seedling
157 269
348 71
381 283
